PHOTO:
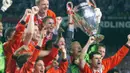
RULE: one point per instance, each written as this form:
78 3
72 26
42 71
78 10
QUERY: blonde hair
75 43
72 46
38 1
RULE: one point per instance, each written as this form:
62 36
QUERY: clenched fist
35 10
128 42
28 12
58 22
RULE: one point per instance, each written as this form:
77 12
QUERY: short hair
37 2
101 45
8 32
39 58
46 18
49 44
77 43
20 60
91 55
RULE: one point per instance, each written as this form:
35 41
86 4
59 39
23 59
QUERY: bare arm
128 42
24 47
29 30
43 53
26 14
64 64
84 51
69 33
30 26
63 50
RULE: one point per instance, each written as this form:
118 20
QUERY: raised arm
114 60
84 51
30 26
128 42
29 65
17 36
64 63
43 52
56 28
69 33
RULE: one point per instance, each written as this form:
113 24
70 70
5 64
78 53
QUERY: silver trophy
86 18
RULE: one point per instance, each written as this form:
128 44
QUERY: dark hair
20 60
49 44
91 55
8 32
39 58
46 18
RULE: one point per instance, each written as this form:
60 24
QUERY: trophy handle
69 5
92 3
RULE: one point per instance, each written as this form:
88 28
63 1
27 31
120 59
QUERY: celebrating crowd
36 45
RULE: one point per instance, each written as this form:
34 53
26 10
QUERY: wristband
64 60
23 22
38 47
127 46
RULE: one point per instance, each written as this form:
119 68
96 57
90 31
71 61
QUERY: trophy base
98 38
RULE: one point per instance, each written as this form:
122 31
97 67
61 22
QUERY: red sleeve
113 61
63 67
35 19
12 45
86 69
29 65
27 20
20 27
47 59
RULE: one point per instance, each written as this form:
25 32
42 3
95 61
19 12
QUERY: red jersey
11 46
48 59
38 20
29 65
110 62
